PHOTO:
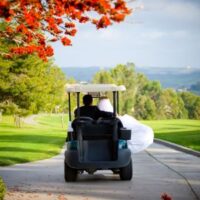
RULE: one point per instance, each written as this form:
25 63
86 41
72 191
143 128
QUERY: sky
159 33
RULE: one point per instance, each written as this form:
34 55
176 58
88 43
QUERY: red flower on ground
165 196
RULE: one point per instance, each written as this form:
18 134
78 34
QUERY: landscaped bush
2 189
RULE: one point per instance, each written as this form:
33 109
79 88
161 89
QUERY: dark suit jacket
93 112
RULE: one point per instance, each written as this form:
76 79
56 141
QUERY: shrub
2 189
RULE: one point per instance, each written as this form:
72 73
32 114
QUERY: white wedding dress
141 135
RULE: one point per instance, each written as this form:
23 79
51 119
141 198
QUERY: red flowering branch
27 21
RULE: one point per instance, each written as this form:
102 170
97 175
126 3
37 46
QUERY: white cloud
156 34
153 35
109 34
185 11
179 34
181 9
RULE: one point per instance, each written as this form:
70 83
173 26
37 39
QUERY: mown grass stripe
31 142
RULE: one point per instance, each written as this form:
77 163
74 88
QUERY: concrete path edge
177 147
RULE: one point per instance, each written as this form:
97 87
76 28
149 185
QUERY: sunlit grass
183 132
31 142
44 140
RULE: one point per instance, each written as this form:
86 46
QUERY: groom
88 110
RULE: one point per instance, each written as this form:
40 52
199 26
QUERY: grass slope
183 132
31 142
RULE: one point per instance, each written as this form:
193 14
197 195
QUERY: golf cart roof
94 88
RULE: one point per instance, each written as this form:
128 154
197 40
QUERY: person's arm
107 114
104 114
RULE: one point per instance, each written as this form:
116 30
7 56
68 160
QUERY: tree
29 85
170 105
103 77
73 98
144 107
141 81
125 75
121 75
192 104
145 99
28 23
152 89
197 109
148 93
195 88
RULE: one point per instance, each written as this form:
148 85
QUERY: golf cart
96 144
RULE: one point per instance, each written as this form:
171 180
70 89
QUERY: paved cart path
31 119
158 169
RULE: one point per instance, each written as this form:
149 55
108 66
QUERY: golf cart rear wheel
126 172
70 173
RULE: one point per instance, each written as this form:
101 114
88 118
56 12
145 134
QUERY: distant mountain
82 73
177 78
172 77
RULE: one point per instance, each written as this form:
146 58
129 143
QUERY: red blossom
4 3
71 32
49 51
9 30
21 28
103 22
4 9
83 19
69 25
95 21
31 19
165 196
118 17
120 4
66 41
59 21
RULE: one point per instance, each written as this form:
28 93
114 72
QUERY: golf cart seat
98 140
99 129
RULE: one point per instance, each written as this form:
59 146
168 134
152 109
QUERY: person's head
87 100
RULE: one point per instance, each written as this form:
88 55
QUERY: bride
141 135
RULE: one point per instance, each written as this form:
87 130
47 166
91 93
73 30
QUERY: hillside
172 77
81 73
177 78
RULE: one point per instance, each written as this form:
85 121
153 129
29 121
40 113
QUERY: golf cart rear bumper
72 159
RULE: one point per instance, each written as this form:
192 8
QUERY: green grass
2 189
183 132
31 142
44 140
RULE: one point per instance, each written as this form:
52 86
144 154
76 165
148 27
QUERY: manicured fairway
44 140
183 132
31 142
